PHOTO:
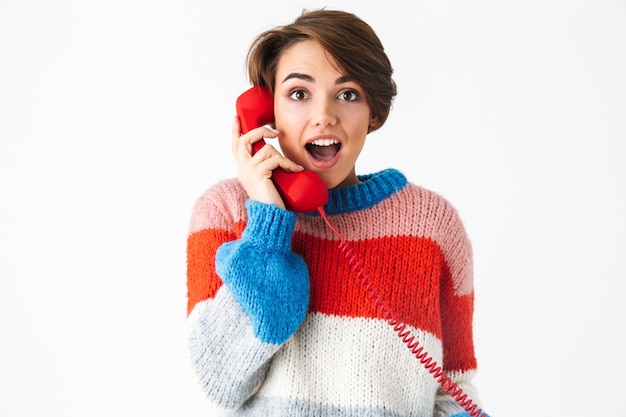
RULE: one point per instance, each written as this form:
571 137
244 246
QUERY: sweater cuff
269 226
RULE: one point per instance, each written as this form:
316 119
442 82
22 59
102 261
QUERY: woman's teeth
325 142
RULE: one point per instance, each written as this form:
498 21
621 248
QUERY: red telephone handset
303 191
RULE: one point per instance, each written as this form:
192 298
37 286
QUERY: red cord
401 328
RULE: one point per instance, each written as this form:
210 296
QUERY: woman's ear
373 124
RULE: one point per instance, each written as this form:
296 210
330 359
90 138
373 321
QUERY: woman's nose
324 113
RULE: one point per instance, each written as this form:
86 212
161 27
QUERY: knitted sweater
279 323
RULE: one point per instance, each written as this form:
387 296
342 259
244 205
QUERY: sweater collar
372 189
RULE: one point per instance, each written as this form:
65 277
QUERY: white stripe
352 362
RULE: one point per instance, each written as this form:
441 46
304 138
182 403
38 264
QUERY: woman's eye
349 95
298 95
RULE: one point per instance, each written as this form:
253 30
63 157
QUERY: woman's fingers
242 144
269 159
255 168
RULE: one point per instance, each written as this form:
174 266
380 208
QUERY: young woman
280 320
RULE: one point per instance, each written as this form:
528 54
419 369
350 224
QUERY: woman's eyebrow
341 80
299 76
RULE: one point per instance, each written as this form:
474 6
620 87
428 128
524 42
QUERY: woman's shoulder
222 203
420 196
224 188
427 195
434 214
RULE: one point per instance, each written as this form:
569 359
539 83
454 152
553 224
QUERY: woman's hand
255 171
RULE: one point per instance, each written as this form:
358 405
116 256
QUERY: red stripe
456 321
410 284
202 280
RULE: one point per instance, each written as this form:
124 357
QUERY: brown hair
349 40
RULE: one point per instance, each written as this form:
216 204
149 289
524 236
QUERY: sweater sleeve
456 310
269 282
248 295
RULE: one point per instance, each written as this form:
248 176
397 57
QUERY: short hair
348 39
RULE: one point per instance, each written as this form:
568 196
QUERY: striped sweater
280 325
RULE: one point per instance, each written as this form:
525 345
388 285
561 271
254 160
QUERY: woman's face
321 115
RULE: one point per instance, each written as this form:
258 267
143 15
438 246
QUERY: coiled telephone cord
401 328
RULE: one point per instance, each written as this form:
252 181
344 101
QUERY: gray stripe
229 361
263 407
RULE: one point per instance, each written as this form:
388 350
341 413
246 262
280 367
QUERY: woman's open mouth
323 150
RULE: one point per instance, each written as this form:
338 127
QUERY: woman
280 321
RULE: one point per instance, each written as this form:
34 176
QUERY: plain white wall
115 116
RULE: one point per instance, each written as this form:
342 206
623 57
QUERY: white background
115 116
